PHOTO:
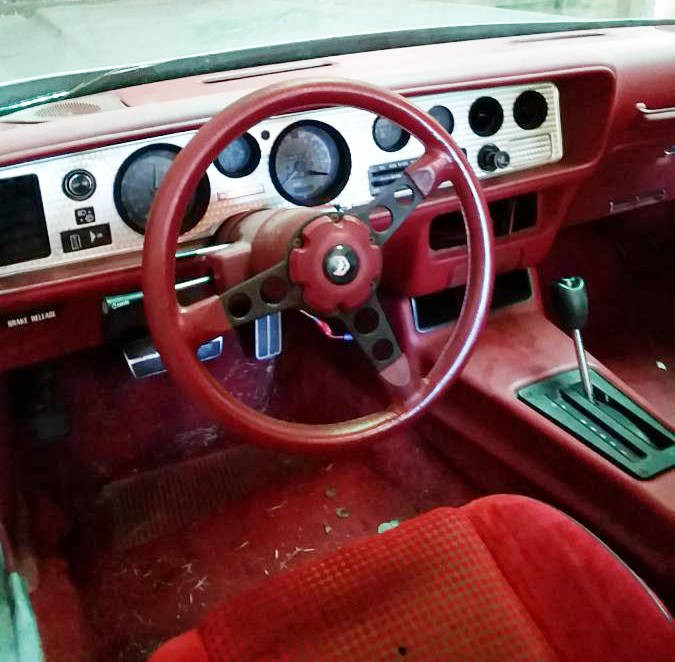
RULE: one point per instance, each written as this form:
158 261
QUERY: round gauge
486 116
240 157
309 163
388 135
137 182
530 110
444 117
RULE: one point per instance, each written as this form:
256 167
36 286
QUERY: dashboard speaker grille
67 109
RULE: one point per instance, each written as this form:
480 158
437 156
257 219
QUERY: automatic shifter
600 415
571 302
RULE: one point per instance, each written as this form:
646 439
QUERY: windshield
63 39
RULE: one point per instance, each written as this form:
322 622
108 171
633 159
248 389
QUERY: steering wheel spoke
266 293
398 206
371 330
402 196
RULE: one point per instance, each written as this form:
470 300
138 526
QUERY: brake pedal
144 360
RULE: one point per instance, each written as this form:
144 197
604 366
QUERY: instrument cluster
96 203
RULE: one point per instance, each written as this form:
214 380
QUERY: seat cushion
503 578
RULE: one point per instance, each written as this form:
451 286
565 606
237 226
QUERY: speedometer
309 163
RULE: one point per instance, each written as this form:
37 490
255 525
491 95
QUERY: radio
23 230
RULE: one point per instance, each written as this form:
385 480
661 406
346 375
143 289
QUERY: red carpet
136 598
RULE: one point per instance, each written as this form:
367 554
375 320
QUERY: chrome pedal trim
143 359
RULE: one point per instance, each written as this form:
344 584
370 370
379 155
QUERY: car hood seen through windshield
39 39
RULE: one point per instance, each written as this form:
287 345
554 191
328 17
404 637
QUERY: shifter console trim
612 424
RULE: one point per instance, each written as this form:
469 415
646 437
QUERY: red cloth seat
504 578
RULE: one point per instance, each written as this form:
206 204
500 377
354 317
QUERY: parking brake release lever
571 301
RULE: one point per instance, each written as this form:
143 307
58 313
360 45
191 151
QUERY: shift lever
571 301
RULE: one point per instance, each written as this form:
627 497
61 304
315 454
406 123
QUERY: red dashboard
612 156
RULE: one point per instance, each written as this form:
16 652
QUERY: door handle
654 114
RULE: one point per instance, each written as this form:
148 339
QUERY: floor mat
120 426
134 511
266 521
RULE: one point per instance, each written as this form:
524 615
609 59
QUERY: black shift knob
571 301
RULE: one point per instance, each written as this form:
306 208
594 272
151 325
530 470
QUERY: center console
591 408
497 424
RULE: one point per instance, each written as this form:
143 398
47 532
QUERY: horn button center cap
341 264
336 264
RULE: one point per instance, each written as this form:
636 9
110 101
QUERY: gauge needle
316 172
155 182
292 174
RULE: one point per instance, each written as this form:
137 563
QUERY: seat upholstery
502 578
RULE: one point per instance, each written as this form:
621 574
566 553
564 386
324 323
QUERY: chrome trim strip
122 300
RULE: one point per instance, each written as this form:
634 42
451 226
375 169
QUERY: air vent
524 213
486 116
558 37
530 110
509 215
447 231
267 71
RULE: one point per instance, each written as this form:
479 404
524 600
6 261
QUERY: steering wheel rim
442 160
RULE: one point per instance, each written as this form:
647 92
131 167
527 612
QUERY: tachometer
137 182
309 163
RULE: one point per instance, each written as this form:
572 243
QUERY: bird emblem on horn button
341 264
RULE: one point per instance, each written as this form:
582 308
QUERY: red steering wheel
326 263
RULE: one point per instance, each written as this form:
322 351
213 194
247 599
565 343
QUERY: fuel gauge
240 158
388 135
